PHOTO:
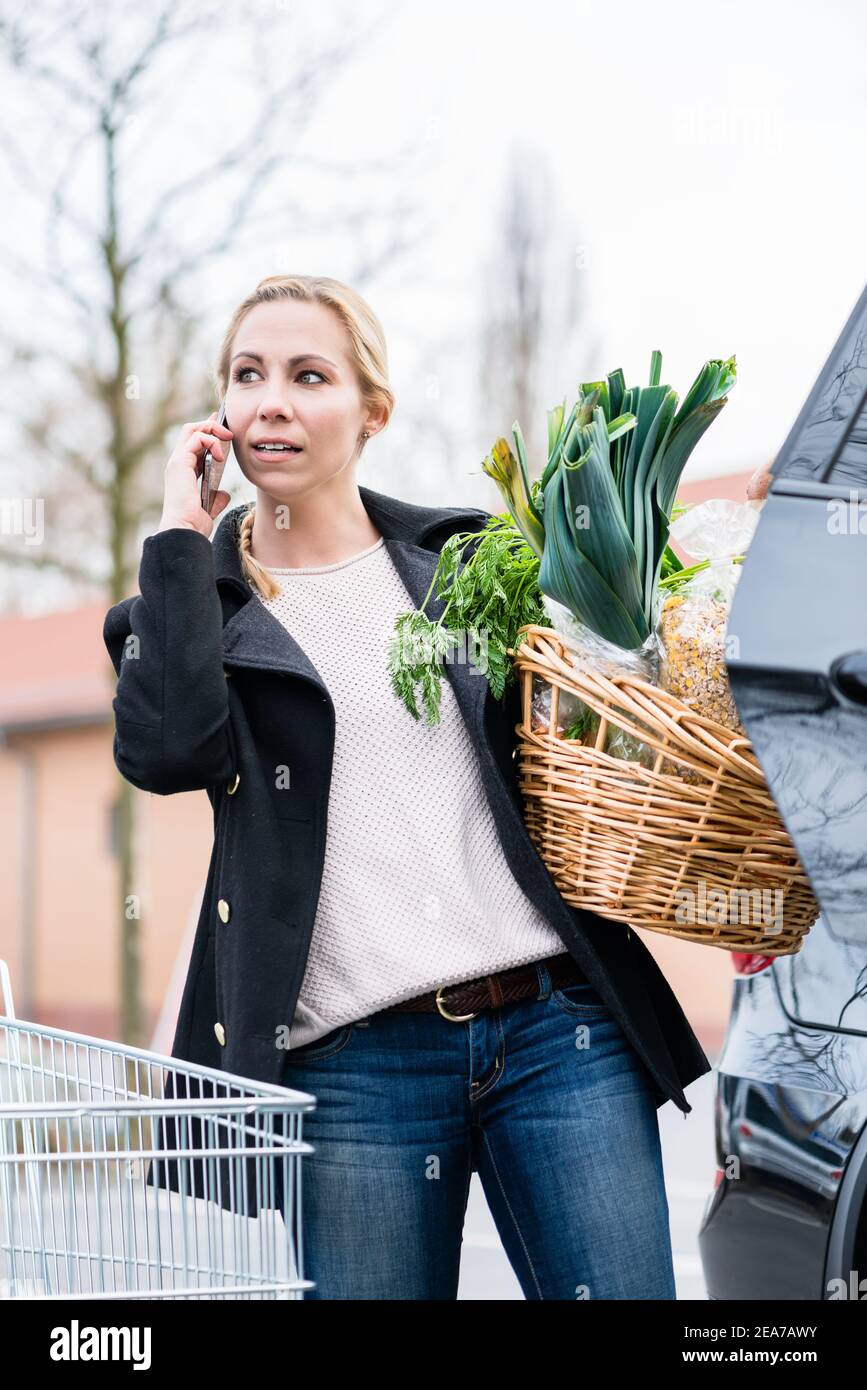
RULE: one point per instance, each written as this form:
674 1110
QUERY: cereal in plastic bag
693 619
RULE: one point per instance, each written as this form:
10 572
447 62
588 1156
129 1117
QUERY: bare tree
533 349
121 233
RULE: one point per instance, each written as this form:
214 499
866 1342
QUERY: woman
438 1011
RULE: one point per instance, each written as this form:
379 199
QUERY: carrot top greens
488 597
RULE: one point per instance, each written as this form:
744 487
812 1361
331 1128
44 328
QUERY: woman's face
291 380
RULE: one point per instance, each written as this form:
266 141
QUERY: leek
599 516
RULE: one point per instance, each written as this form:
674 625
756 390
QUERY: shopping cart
80 1217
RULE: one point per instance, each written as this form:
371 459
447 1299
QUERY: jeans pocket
319 1048
581 999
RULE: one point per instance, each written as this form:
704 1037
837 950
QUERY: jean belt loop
544 980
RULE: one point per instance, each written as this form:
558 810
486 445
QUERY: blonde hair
368 355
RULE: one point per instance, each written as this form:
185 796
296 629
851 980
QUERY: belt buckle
454 1018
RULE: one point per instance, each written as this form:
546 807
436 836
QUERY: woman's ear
376 420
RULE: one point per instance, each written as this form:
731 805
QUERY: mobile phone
212 469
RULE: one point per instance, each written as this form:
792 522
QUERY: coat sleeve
171 709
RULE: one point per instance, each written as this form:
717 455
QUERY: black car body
788 1216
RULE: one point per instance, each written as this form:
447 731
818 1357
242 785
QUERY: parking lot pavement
688 1157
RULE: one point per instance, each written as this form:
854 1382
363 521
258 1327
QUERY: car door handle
849 674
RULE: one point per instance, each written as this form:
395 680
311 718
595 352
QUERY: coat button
221 1034
224 910
230 791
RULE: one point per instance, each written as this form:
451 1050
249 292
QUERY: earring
365 434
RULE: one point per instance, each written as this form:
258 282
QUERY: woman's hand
757 487
182 499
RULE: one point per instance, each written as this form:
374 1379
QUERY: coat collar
253 637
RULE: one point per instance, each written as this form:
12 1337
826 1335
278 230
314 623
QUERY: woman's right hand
182 499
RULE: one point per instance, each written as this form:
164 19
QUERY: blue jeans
546 1098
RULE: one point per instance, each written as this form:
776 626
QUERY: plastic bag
575 719
693 619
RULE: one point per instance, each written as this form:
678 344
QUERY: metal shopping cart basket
93 1207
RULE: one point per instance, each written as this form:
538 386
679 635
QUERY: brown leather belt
463 1001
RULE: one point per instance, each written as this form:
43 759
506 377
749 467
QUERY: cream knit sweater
416 891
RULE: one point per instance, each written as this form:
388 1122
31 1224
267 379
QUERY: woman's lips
274 453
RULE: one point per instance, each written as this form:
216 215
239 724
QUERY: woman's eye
241 372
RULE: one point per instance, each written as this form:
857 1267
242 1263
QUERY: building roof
57 670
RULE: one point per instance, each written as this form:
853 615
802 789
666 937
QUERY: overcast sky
712 157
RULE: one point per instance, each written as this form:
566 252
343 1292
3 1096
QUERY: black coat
217 695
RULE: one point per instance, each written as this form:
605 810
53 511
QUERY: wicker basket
692 846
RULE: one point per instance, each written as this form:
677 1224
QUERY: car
787 1217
